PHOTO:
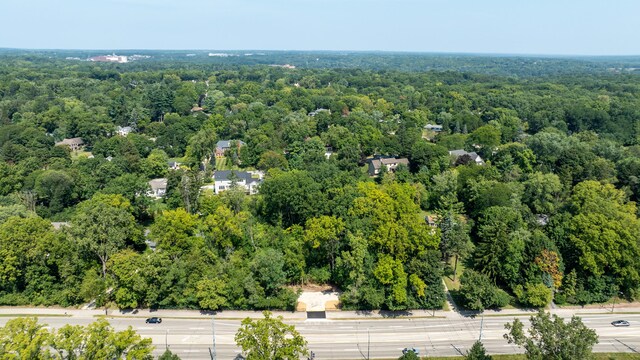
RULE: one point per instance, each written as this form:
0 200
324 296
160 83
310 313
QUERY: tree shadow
389 314
208 312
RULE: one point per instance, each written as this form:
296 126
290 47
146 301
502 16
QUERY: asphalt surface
350 339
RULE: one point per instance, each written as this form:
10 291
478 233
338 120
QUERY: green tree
485 139
130 284
326 233
478 292
409 355
454 238
55 189
270 339
477 352
156 164
542 192
175 231
168 355
551 338
535 295
501 243
211 294
24 338
604 234
104 225
291 197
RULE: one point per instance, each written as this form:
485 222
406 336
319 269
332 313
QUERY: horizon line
515 54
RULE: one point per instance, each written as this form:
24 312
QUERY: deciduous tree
270 339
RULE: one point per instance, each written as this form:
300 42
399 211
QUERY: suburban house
390 163
173 165
158 188
73 143
317 111
433 127
124 130
249 180
431 220
456 154
224 145
328 151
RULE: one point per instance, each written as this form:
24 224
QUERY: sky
552 27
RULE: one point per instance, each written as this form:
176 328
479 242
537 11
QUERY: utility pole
481 325
368 343
212 351
166 342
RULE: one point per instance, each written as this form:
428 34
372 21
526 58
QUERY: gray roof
388 161
457 153
72 141
156 184
223 144
474 156
223 175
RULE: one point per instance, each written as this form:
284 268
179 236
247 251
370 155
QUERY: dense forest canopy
538 201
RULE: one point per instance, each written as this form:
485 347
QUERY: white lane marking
197 328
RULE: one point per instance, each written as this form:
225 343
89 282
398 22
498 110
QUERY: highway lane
349 339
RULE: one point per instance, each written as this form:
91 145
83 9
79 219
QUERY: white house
124 130
74 143
433 127
390 163
226 179
158 188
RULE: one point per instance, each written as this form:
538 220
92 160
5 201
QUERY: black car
153 320
620 323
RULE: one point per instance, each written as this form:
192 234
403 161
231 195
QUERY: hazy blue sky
485 26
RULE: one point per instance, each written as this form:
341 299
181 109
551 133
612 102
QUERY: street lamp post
212 351
481 325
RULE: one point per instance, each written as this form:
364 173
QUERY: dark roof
223 175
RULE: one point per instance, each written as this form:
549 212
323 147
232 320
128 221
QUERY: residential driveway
317 300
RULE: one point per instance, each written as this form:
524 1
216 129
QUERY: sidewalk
331 315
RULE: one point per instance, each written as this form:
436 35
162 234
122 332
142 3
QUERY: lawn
598 356
448 278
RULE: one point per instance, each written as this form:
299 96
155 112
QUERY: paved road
347 339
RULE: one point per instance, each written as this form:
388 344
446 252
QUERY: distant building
110 58
73 143
328 151
224 145
433 127
124 130
158 188
249 180
286 66
318 111
473 156
390 163
59 224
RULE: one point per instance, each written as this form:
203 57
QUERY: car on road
620 323
153 320
413 350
